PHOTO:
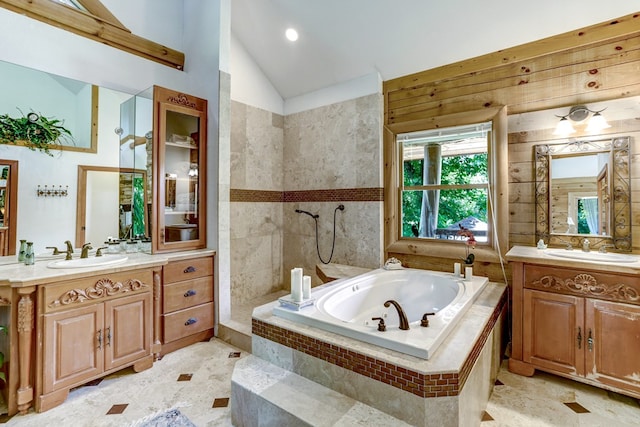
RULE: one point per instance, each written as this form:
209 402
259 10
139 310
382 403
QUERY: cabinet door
612 355
180 171
73 343
127 330
553 334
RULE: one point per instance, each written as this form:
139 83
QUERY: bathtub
347 306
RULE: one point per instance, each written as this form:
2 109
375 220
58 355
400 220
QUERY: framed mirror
583 191
8 206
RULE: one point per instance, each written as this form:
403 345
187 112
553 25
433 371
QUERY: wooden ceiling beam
96 8
95 28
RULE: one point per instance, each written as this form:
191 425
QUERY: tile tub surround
454 382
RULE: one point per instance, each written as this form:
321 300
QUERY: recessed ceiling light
291 34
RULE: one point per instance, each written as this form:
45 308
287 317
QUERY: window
463 182
445 182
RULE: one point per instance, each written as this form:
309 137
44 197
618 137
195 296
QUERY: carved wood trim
5 301
25 314
183 100
102 289
587 285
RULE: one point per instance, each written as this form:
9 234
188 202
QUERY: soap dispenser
29 256
22 251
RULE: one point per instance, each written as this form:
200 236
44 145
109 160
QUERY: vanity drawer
188 293
177 271
584 283
188 321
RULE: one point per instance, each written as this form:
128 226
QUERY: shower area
306 188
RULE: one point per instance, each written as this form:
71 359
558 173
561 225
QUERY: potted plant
35 131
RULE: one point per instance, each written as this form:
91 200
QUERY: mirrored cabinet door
179 171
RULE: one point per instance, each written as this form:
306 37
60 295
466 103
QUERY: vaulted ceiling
344 39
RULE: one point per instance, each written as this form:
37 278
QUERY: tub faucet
404 322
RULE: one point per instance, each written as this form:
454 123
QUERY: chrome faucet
85 250
404 322
585 245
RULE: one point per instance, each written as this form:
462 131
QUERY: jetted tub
347 306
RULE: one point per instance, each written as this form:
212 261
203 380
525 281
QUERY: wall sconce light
579 113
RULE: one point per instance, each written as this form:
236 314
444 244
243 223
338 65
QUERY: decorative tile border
336 195
422 385
237 195
375 194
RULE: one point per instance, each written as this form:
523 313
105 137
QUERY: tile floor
197 380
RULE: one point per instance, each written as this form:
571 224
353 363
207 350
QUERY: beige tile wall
338 146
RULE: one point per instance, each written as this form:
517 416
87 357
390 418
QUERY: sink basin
592 256
88 262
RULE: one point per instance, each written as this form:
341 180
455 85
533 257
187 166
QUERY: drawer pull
190 269
190 321
189 293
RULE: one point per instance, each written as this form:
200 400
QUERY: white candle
456 269
468 273
296 284
306 287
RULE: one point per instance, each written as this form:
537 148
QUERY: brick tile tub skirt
437 384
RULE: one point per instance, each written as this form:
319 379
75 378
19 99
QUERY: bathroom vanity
69 326
576 318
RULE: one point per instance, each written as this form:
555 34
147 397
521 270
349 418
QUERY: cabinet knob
190 321
190 269
189 293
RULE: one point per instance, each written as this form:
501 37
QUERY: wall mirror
91 113
583 191
73 102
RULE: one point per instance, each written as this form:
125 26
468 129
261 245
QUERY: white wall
30 43
249 85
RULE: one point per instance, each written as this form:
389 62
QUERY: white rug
169 418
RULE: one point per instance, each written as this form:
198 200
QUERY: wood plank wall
592 64
601 62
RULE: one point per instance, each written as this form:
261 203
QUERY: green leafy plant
34 131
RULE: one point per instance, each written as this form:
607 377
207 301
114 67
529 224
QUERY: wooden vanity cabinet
179 171
187 302
91 327
582 324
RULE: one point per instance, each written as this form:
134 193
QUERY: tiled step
236 334
266 395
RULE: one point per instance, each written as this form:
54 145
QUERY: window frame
497 160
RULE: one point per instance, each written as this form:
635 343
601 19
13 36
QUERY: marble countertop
530 254
16 274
